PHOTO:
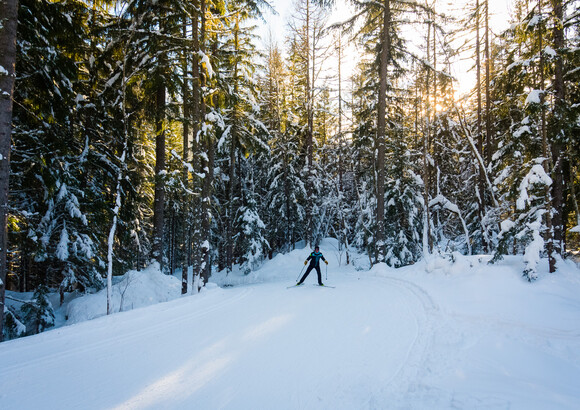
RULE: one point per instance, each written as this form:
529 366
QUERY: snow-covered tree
253 243
8 25
38 313
52 195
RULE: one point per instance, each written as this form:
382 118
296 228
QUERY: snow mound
136 289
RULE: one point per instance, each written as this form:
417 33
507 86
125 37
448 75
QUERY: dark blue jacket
314 259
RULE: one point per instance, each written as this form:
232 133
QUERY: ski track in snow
134 336
374 342
392 387
407 377
312 337
96 343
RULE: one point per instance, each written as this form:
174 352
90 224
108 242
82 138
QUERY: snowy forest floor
435 335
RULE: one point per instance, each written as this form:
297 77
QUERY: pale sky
277 24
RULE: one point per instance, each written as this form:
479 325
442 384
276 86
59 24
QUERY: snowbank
136 289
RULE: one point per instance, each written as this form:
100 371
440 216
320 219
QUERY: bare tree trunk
426 215
384 58
488 130
8 25
185 157
160 106
559 221
205 268
208 165
549 238
310 130
343 235
197 146
340 91
159 203
231 197
480 136
232 171
118 201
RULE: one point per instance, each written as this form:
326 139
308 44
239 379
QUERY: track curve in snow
259 346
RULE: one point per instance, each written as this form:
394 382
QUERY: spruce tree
8 25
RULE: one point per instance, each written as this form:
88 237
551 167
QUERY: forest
169 131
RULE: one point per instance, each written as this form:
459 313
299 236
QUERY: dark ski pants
308 272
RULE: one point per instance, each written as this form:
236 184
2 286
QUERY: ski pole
326 278
300 274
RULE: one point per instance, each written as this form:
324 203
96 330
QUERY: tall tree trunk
478 77
549 235
197 115
8 25
233 149
112 231
205 268
309 130
384 58
434 71
185 157
289 239
160 106
230 217
340 93
481 189
159 202
208 165
118 199
488 130
426 142
343 234
559 221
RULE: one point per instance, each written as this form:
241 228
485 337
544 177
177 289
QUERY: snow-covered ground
436 335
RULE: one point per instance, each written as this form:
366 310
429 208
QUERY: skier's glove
305 262
326 262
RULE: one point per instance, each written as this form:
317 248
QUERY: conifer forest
135 131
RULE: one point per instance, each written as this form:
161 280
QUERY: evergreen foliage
38 313
160 131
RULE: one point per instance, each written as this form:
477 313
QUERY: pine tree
38 313
308 52
51 155
363 108
253 244
285 191
380 36
243 133
534 129
8 25
524 181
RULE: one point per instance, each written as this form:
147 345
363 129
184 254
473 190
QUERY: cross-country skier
314 259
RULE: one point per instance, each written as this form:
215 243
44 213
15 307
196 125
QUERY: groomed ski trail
255 344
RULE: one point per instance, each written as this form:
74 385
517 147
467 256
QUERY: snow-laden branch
206 63
477 156
536 176
445 203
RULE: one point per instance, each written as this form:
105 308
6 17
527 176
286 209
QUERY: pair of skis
300 274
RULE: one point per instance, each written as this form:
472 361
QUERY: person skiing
314 259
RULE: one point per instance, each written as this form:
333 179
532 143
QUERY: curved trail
299 348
